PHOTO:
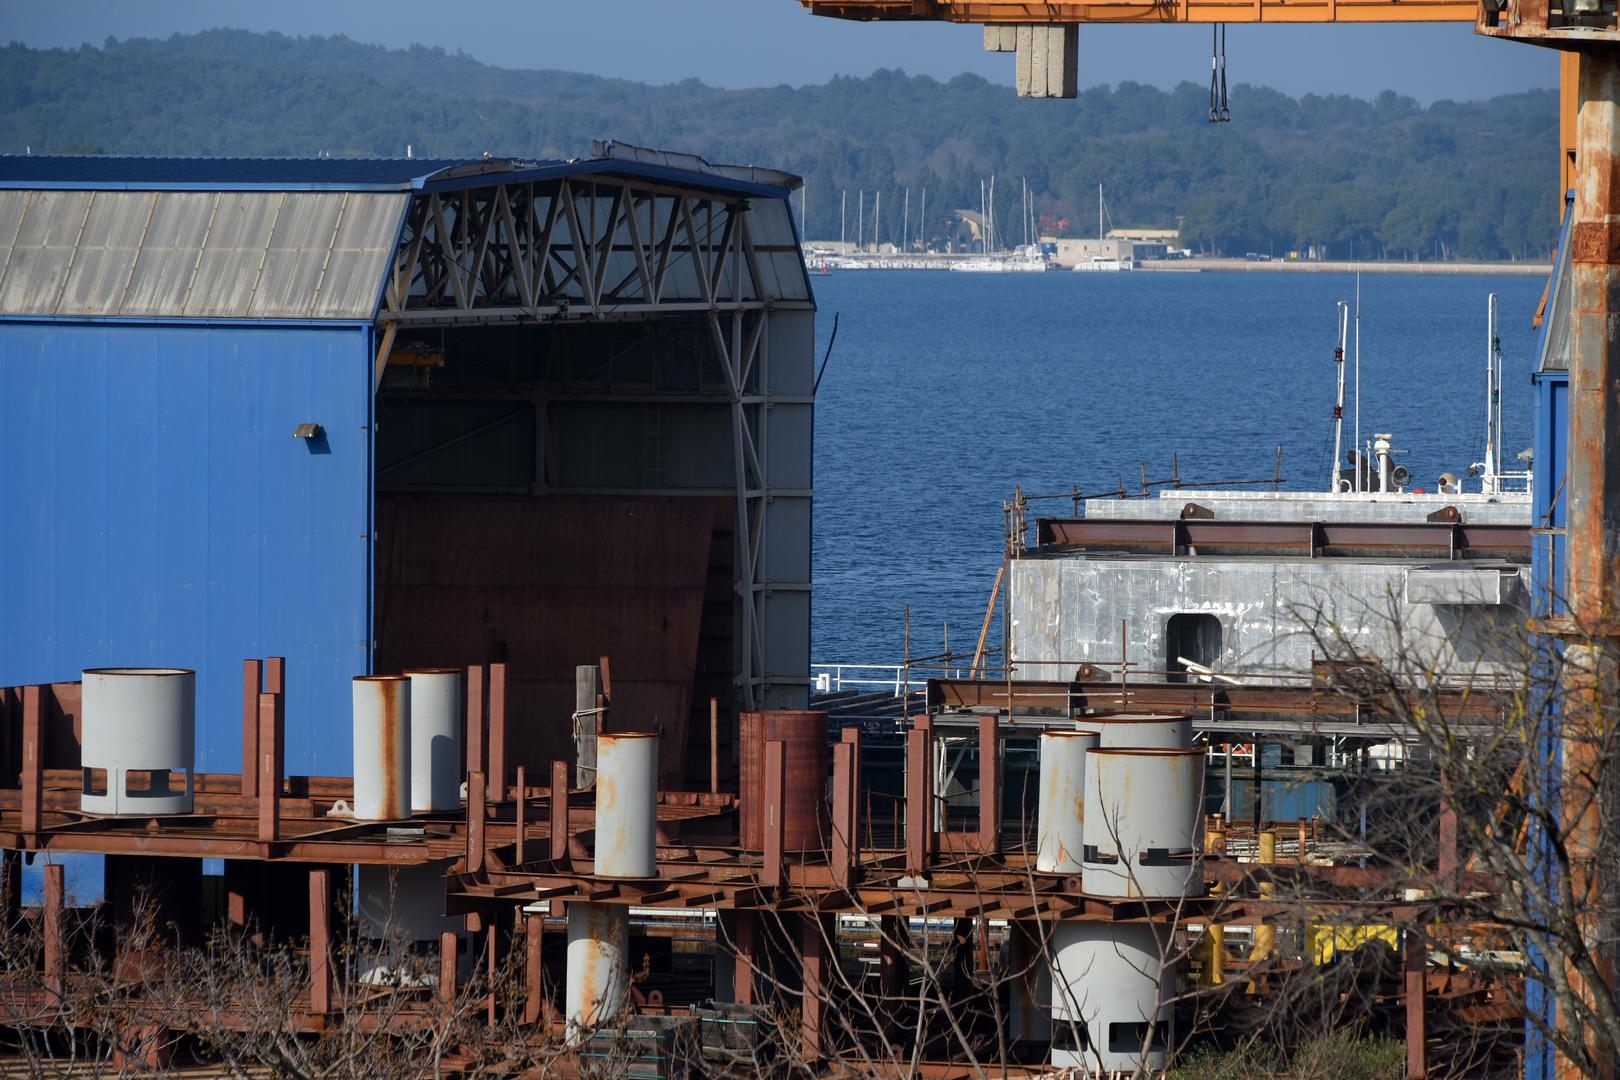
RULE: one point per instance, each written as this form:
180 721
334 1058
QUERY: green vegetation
1341 1056
1381 178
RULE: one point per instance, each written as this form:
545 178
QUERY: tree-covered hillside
1384 177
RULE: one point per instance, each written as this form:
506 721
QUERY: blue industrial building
195 354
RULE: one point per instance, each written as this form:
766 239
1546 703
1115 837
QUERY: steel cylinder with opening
1112 996
436 759
138 728
806 824
1171 731
382 747
1143 816
627 804
1062 806
598 976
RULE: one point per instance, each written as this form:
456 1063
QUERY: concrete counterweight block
382 747
626 804
436 758
1144 813
1062 800
1112 997
139 729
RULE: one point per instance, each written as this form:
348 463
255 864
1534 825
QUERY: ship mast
1338 395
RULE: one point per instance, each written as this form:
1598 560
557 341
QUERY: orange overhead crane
1511 18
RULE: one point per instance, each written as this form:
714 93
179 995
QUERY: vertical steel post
771 874
33 762
252 672
1415 961
919 798
10 888
534 993
714 746
475 719
816 932
559 809
497 733
475 822
320 941
587 689
448 944
55 927
989 785
844 835
269 773
275 684
748 946
520 818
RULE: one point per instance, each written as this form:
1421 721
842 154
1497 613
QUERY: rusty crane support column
1593 484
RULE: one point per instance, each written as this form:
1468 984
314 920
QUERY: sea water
945 392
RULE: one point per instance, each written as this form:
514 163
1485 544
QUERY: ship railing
897 679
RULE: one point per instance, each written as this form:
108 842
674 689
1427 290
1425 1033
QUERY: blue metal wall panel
155 509
1549 467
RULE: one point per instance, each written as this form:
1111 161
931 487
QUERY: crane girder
992 12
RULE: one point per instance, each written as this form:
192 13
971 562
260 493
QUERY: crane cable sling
1219 111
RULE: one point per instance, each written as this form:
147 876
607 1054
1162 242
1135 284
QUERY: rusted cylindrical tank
382 747
1143 815
626 804
436 758
805 812
1062 805
1171 731
598 976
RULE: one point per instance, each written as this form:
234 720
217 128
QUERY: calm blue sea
945 391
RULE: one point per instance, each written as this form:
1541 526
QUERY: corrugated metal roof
196 254
215 172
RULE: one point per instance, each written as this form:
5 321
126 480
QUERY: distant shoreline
1301 266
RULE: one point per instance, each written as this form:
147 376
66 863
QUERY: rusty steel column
269 771
320 941
558 809
748 950
10 888
33 762
449 943
1593 492
54 922
475 719
476 809
989 785
520 819
534 993
771 873
844 853
251 674
817 947
275 684
497 733
1415 957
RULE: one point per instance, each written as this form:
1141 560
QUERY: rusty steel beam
989 785
748 949
476 811
33 761
275 684
497 733
534 993
252 674
771 873
269 782
1405 540
991 12
1415 957
54 922
816 949
845 825
520 820
449 943
475 718
320 941
559 810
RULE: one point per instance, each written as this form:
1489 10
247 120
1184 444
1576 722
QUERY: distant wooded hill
1380 178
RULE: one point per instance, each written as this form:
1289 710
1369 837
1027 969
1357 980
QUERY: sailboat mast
1099 212
843 209
1343 314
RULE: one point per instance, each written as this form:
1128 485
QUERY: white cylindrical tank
626 804
1172 731
400 906
436 759
1143 815
138 720
598 978
382 747
1062 800
1111 1003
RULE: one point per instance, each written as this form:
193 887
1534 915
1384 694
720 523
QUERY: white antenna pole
1361 462
1343 315
1496 350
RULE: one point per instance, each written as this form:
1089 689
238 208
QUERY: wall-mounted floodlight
308 431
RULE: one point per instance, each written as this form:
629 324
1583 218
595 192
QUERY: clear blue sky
765 42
